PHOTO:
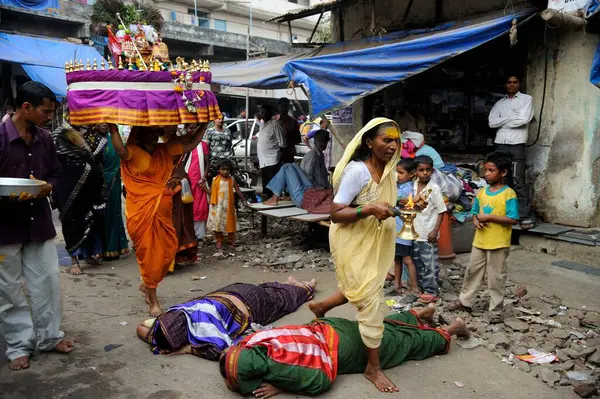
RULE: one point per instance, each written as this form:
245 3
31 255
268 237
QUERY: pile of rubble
532 324
287 247
539 325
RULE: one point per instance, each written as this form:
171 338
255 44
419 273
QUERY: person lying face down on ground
207 325
306 359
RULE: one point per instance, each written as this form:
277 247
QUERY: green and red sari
307 359
300 359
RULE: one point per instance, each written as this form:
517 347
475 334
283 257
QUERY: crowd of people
177 186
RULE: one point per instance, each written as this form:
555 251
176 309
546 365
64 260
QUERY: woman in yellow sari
362 234
146 169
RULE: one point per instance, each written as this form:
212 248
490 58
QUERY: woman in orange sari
146 169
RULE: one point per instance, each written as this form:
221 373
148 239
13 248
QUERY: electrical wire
537 137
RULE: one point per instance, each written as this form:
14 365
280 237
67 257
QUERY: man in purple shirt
27 233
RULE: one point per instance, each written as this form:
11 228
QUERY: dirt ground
102 307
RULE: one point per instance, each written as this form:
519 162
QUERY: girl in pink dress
197 168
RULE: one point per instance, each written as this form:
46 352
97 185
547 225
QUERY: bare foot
380 380
427 313
265 391
317 309
312 284
144 291
19 363
65 346
271 201
94 260
75 270
155 310
459 327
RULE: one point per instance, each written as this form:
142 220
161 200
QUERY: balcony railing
225 26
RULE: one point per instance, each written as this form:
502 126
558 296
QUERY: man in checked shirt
511 116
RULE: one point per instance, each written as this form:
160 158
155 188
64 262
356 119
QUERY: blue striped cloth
209 322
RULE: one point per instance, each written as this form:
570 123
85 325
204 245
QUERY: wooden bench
258 207
286 210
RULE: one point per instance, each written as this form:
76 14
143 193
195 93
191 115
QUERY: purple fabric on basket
136 99
139 107
116 75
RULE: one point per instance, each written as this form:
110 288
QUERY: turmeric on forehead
391 132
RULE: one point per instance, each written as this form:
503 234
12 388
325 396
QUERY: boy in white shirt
427 225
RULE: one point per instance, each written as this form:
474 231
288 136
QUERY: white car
237 127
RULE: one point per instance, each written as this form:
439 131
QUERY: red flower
202 78
174 73
200 93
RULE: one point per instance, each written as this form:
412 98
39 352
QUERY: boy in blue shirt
495 211
406 172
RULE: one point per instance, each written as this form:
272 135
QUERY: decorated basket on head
150 96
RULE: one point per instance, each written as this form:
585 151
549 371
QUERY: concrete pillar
347 132
564 164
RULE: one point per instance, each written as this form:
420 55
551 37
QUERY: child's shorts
403 250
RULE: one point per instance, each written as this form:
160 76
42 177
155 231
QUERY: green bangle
359 212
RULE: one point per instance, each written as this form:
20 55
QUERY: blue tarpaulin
336 75
595 72
39 5
43 59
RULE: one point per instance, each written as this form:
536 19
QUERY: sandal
428 298
527 223
457 305
219 245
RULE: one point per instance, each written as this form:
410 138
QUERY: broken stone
576 313
572 353
562 355
517 325
288 259
560 333
523 366
448 297
586 390
503 352
592 318
560 343
564 382
517 337
455 277
548 347
549 376
566 366
499 340
520 350
471 343
539 328
592 358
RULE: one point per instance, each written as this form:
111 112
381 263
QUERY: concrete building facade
214 30
564 161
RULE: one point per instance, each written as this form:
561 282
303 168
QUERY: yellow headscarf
355 143
363 251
